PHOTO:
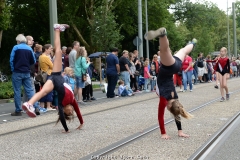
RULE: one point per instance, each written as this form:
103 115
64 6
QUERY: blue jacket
21 58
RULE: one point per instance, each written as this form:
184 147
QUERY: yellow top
45 64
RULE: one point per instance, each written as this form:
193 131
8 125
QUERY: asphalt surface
7 108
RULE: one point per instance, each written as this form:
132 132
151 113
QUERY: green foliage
5 15
117 24
6 90
206 22
105 30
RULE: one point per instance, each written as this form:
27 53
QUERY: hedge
6 90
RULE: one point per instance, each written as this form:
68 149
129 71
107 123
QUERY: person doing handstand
66 100
165 87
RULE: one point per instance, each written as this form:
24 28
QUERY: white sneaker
184 90
161 32
29 109
61 27
181 90
191 90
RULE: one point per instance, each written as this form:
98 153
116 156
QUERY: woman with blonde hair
165 87
66 100
81 65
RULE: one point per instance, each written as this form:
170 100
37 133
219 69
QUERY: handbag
88 80
84 76
41 77
136 73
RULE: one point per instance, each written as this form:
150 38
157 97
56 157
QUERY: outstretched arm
77 110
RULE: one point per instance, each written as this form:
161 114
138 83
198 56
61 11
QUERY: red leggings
177 79
161 109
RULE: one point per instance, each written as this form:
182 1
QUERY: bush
6 90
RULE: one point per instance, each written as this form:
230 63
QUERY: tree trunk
1 32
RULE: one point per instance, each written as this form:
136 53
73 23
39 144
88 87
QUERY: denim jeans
195 75
146 82
125 76
18 80
126 92
209 75
187 77
25 99
153 84
112 81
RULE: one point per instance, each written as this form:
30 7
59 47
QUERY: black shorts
170 70
58 80
165 79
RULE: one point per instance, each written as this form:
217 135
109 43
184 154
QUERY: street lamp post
229 51
234 31
140 27
53 18
147 43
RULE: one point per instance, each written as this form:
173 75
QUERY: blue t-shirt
112 60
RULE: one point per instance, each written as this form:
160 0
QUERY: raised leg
57 64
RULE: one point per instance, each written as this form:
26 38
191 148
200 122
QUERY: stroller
141 83
95 75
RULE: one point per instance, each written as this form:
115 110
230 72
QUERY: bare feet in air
80 126
165 136
181 134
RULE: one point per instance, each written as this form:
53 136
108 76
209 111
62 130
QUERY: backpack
200 63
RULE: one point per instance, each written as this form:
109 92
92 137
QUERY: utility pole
147 42
140 27
53 18
234 31
229 50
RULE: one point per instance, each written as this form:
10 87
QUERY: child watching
147 75
69 77
124 90
153 79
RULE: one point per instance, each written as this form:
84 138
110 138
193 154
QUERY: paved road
7 108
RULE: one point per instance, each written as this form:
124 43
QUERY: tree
105 30
4 18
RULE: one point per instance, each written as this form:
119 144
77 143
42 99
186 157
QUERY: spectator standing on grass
112 72
21 58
